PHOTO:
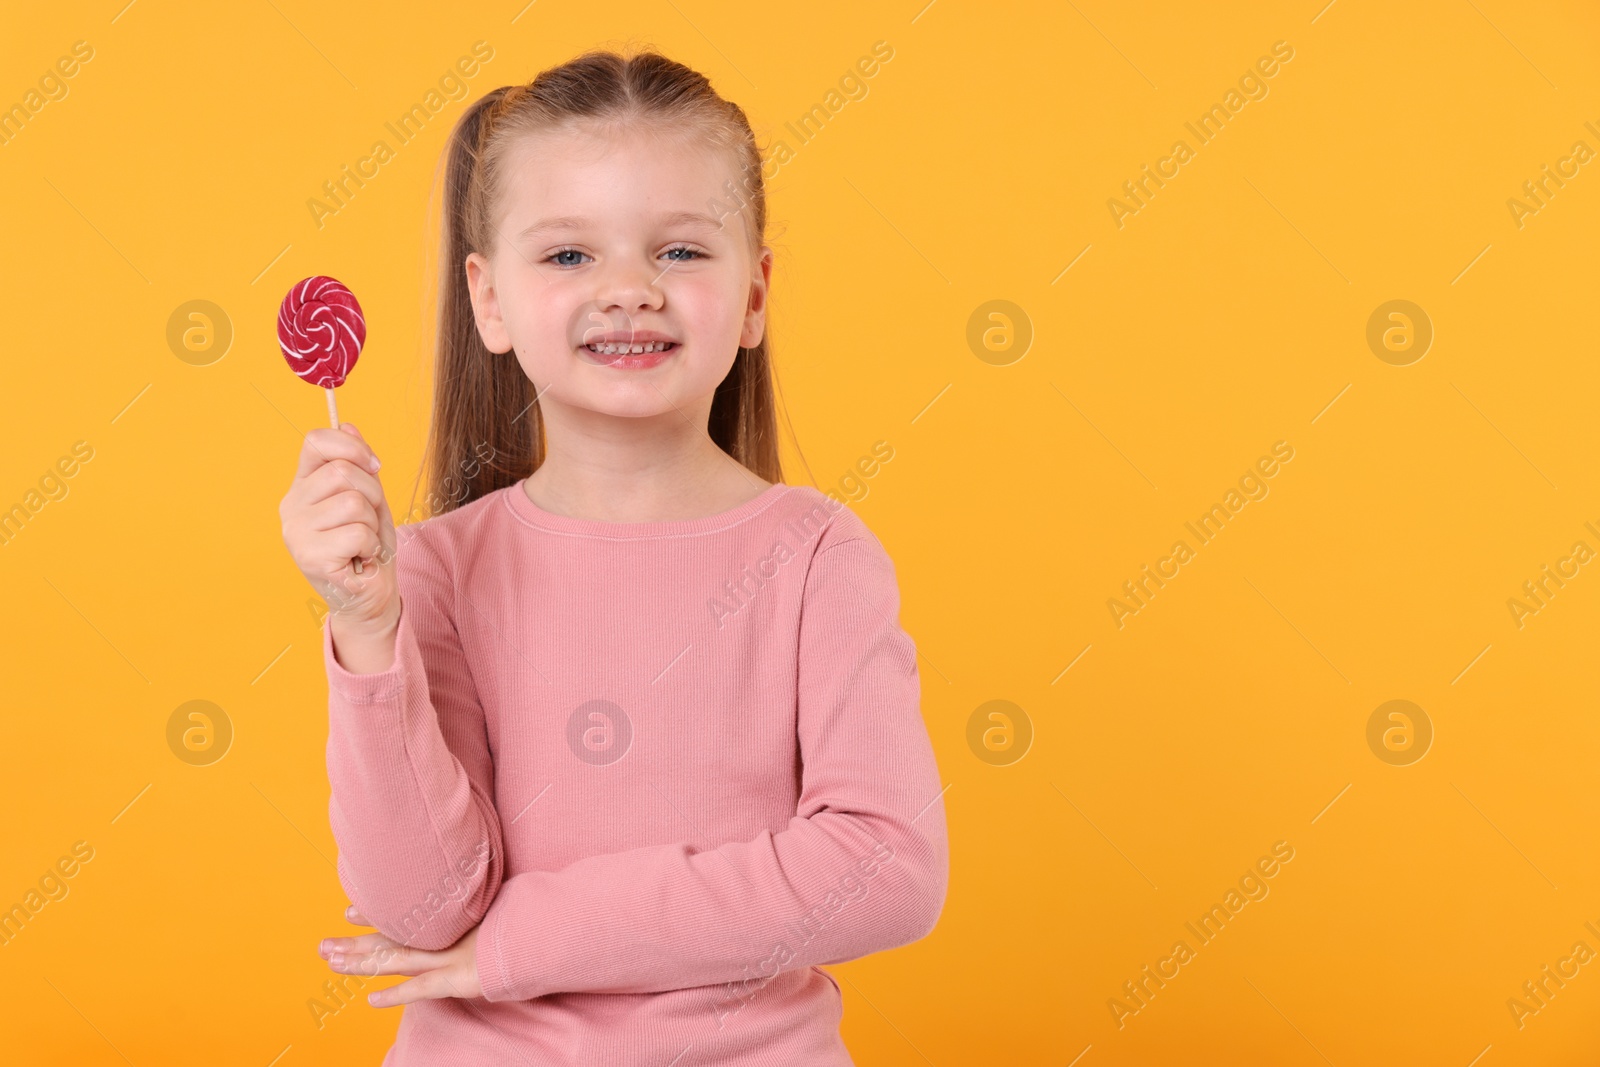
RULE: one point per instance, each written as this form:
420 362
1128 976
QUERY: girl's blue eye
555 257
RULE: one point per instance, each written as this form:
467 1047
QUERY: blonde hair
487 431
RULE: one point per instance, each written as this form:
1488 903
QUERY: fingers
430 973
346 511
349 526
354 917
323 445
356 540
430 986
339 476
374 954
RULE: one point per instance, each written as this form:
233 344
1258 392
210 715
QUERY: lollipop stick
333 417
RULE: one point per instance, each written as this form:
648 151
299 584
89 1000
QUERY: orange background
1229 313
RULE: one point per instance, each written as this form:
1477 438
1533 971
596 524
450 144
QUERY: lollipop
321 331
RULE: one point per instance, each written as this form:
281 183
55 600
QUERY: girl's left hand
451 972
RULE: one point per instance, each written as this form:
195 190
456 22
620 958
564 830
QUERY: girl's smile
628 349
635 359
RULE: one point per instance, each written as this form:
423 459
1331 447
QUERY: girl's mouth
629 357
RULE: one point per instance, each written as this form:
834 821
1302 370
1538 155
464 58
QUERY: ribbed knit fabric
669 767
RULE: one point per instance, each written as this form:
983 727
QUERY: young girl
626 739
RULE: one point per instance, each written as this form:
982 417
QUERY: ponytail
486 432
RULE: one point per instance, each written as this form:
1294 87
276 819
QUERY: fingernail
376 463
322 947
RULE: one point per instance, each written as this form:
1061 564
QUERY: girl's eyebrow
576 222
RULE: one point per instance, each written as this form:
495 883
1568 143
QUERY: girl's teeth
633 350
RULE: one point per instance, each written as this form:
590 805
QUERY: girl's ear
486 304
755 316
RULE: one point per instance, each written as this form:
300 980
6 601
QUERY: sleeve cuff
493 979
382 687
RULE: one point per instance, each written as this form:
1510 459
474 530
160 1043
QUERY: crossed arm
861 867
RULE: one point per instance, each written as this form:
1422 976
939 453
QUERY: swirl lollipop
321 330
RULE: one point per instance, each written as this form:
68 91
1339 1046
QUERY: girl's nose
631 284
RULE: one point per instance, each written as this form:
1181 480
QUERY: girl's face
623 238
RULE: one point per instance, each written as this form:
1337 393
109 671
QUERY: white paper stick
333 418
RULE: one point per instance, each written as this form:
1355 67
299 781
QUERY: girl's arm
863 865
412 808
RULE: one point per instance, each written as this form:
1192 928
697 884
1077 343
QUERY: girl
625 740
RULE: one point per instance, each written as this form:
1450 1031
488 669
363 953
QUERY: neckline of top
524 508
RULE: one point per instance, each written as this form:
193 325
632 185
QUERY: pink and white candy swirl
321 330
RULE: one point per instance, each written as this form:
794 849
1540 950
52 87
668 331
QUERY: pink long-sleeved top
666 768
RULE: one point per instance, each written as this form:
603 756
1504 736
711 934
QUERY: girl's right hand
335 512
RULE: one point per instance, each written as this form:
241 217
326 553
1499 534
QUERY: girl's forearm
410 774
365 647
673 916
